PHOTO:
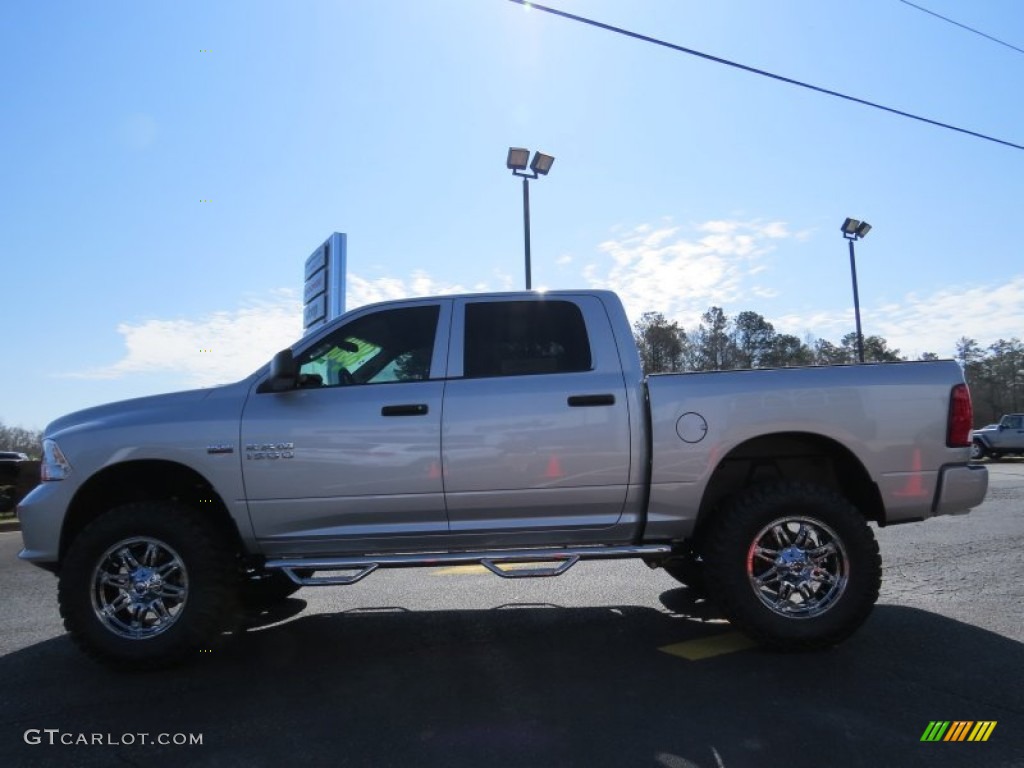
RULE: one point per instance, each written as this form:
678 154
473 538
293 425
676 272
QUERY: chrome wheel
139 588
977 451
797 567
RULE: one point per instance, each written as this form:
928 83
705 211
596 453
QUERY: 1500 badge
270 451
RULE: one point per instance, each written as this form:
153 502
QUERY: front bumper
41 515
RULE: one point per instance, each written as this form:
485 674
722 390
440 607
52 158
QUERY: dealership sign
323 293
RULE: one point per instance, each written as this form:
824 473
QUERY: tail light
961 417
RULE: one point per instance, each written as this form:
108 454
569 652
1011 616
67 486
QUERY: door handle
417 409
589 401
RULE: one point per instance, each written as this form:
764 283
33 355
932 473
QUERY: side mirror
284 373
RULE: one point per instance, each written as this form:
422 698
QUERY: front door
351 458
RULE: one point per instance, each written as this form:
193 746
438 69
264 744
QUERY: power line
763 73
963 26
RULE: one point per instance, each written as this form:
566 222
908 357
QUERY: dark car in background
10 464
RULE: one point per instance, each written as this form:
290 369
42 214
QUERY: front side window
386 346
518 338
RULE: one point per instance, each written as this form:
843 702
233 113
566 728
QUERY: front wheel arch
147 480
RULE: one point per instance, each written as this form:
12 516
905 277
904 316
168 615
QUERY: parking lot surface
612 664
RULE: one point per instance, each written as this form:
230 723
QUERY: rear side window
521 338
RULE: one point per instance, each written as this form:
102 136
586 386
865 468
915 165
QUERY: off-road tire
836 607
190 562
978 450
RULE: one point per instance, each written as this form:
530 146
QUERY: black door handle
419 409
589 401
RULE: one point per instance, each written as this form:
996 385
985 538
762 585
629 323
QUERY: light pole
853 230
541 164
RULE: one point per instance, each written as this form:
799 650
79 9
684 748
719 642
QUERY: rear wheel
147 584
793 565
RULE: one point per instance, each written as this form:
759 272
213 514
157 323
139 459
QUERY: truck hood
139 410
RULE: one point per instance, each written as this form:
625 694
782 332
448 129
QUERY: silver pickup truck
494 429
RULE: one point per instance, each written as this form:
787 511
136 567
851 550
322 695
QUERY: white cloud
364 291
682 273
219 347
227 345
929 323
647 267
933 323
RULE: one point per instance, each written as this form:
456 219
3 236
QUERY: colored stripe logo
958 730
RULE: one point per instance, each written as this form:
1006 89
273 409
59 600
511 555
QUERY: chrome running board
493 560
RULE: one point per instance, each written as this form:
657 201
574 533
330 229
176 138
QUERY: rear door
535 432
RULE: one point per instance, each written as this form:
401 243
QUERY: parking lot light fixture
539 166
541 163
517 159
853 230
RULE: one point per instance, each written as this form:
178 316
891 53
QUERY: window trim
457 337
438 359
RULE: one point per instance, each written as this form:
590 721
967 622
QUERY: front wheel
977 450
146 584
793 565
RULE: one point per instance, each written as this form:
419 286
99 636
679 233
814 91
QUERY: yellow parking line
707 647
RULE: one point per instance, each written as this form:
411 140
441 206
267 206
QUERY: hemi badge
224 448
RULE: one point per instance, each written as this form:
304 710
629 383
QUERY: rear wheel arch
791 456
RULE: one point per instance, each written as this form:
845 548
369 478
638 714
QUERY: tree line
21 440
995 375
719 342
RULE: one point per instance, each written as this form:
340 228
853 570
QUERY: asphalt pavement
612 664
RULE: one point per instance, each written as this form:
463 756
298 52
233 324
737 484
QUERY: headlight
53 466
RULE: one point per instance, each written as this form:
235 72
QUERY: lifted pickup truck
492 429
1003 439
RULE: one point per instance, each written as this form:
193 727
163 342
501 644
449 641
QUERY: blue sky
679 182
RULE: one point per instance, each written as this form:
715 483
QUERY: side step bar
363 566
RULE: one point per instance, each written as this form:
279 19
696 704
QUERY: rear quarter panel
891 416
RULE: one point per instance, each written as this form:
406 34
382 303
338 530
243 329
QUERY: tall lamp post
541 164
853 230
